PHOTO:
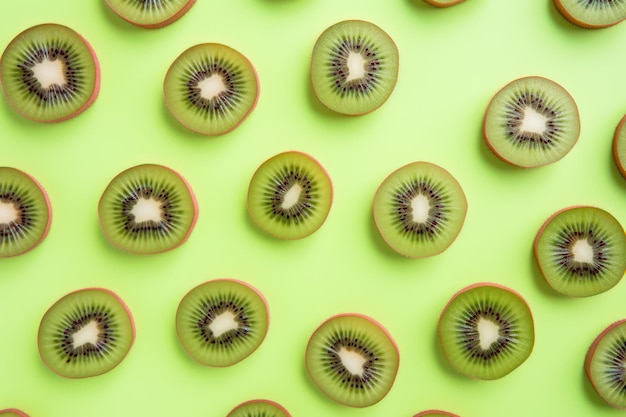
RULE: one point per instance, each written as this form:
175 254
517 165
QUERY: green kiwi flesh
49 73
581 251
150 14
352 359
211 88
13 412
435 413
419 209
290 195
592 14
604 364
354 67
25 212
531 121
147 209
259 408
86 333
486 331
619 146
221 322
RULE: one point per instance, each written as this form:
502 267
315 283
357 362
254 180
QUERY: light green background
451 62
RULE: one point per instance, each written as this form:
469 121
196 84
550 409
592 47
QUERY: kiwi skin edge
440 4
620 164
14 411
577 22
272 403
435 412
159 25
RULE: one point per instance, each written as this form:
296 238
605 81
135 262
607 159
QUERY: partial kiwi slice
354 67
148 209
435 413
443 3
352 359
150 14
592 14
486 331
211 88
221 322
604 364
86 333
619 146
290 195
419 209
259 408
49 73
25 212
531 121
13 412
581 251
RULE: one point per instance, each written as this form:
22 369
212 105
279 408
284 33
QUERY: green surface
451 62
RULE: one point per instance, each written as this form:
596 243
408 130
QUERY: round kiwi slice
352 359
443 3
419 209
605 362
619 146
49 73
148 209
259 408
531 121
581 251
150 14
435 413
25 212
86 333
13 412
290 195
221 322
592 14
354 67
211 88
486 331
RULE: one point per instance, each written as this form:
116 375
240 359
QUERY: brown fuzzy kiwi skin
577 22
14 411
429 412
272 403
442 5
592 350
89 102
621 165
159 25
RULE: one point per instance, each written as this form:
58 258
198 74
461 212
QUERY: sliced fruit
259 408
86 333
443 3
619 146
486 331
13 412
531 121
150 14
604 364
592 14
148 209
419 209
49 73
581 251
290 195
352 359
221 322
435 413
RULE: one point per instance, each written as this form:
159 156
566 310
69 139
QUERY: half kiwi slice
604 364
443 3
25 212
221 322
13 412
619 146
581 251
148 209
49 73
352 359
86 333
354 67
150 14
259 408
290 195
419 209
592 14
435 413
486 331
211 88
531 121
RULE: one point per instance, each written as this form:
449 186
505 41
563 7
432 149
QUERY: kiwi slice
49 73
435 413
592 14
604 364
486 331
221 322
290 195
581 251
531 121
352 359
419 209
211 88
13 412
148 209
25 212
443 3
150 14
354 67
259 408
86 333
619 146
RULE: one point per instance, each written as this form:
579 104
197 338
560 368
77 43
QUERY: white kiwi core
292 196
88 334
49 73
212 86
8 213
147 209
582 251
533 122
352 361
223 323
420 207
356 66
488 333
